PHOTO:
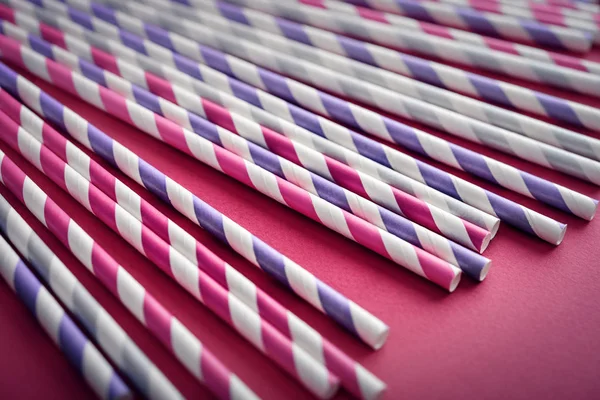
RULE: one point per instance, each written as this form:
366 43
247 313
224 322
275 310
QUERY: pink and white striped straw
239 316
380 241
353 376
199 361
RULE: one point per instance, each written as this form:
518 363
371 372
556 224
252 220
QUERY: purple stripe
153 180
330 192
423 71
101 144
159 36
215 59
338 109
232 12
510 212
438 180
473 163
356 50
416 10
541 35
271 261
477 22
132 41
40 46
559 109
187 66
305 119
209 219
544 191
92 72
52 110
275 84
404 135
265 159
293 31
107 14
8 79
336 306
146 99
26 285
489 90
244 92
81 18
72 342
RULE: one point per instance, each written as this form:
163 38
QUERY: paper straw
470 38
538 15
355 378
490 24
97 322
589 15
508 95
436 202
172 333
515 214
240 317
475 85
380 241
470 262
530 127
467 47
415 234
562 4
347 313
354 115
73 343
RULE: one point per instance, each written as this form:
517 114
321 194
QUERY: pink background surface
531 330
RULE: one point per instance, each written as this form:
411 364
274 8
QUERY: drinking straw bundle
272 94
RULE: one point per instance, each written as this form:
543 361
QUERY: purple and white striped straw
77 348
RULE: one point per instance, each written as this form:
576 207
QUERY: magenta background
531 330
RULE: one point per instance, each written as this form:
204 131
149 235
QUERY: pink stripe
158 320
9 131
366 234
104 60
343 366
280 145
12 177
171 133
278 348
154 219
58 222
436 30
555 19
53 167
156 250
216 376
103 179
115 104
500 45
297 199
218 115
52 35
61 75
10 106
372 15
314 3
489 7
160 87
215 298
273 312
567 61
54 141
436 270
7 13
10 50
346 177
210 261
103 208
232 165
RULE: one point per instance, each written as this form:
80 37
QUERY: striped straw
467 47
562 4
403 253
521 217
172 333
354 377
508 95
470 262
490 24
98 323
415 234
459 35
73 343
359 117
386 195
229 308
541 16
455 79
347 313
530 127
566 12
